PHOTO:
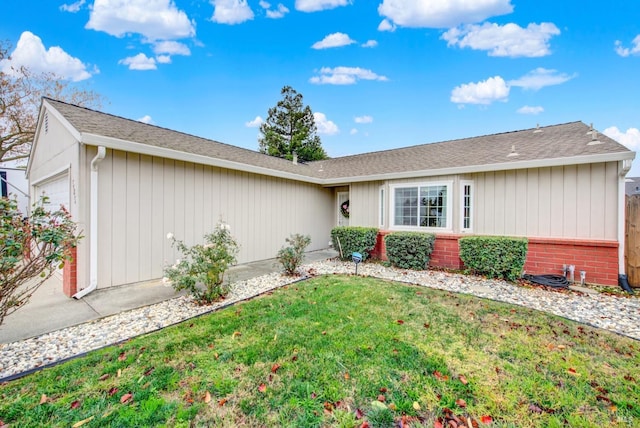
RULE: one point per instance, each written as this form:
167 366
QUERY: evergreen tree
290 127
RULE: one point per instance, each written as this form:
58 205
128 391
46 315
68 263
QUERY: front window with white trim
423 206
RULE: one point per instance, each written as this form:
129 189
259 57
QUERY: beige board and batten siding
573 201
142 198
364 203
58 155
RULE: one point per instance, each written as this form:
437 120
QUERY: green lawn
342 351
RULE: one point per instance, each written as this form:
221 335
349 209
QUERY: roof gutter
146 149
93 228
470 169
124 145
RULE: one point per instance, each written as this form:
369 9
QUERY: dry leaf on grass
82 422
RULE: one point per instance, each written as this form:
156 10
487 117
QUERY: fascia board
118 144
145 149
538 163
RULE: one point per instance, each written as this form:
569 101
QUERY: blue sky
378 74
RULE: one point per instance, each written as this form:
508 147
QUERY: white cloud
31 53
625 52
73 7
171 47
484 92
318 5
496 89
530 110
324 125
139 62
370 44
353 131
333 41
363 119
279 12
255 123
146 119
541 77
344 76
231 11
630 139
154 19
385 25
163 59
441 13
508 40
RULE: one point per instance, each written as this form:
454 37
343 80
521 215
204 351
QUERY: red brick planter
545 256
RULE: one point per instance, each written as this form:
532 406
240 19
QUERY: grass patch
339 350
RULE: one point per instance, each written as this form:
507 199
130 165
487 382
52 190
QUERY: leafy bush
494 256
350 239
291 257
202 269
409 250
30 247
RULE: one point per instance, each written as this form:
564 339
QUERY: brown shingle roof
551 142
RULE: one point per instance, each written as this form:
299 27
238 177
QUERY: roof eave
118 144
145 149
537 163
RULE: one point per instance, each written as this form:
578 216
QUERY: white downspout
93 227
625 166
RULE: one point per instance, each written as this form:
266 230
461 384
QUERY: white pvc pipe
93 227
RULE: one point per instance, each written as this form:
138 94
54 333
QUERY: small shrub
494 256
409 250
291 257
354 240
202 269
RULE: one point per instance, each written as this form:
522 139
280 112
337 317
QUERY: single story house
14 184
632 186
128 184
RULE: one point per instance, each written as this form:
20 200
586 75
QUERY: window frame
381 203
419 185
463 184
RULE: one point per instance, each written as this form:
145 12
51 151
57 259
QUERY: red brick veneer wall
545 256
445 253
70 274
598 258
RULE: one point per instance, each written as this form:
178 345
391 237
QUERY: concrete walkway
49 309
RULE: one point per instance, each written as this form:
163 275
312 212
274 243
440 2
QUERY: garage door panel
57 190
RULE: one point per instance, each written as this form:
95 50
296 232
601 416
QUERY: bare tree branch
21 93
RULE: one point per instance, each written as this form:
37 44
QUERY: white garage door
57 189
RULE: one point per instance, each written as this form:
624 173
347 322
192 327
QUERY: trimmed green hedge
494 256
354 240
409 250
